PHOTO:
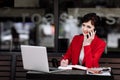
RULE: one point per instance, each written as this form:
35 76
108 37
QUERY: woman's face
87 27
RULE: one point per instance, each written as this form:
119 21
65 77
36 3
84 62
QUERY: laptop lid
34 58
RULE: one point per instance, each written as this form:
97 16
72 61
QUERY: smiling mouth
85 32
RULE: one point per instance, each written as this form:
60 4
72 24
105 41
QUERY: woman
87 48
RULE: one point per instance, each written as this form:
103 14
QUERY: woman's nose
85 29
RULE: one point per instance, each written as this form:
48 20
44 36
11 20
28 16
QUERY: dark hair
93 17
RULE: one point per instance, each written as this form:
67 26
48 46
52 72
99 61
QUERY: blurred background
53 23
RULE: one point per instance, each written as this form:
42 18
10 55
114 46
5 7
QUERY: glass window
27 23
35 22
72 11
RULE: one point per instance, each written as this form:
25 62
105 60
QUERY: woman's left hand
94 71
89 37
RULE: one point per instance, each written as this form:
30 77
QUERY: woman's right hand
64 62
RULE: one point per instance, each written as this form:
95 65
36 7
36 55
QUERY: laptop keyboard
53 69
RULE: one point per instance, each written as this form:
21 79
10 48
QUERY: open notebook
106 71
73 66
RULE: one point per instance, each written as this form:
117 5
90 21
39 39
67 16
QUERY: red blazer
92 52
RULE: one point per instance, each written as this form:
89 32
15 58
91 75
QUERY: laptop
35 59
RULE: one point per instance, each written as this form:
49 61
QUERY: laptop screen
34 58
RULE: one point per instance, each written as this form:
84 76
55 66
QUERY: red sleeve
92 57
68 54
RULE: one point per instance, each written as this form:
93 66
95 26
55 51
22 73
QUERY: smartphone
94 30
90 33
